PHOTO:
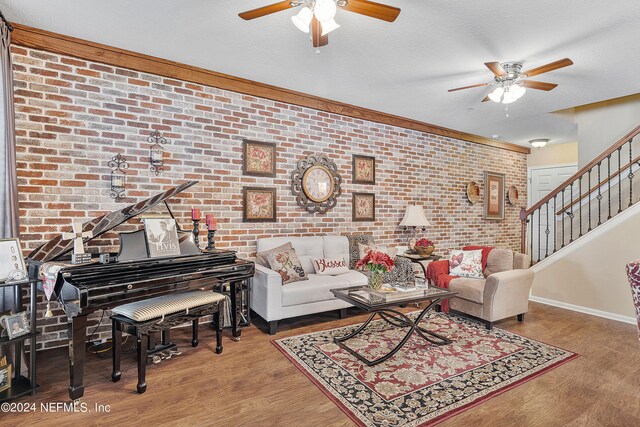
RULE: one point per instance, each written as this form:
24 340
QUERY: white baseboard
585 310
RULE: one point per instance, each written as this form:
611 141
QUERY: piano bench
159 314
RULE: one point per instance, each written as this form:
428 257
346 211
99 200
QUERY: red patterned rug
422 384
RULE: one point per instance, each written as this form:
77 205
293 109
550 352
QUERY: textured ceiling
403 68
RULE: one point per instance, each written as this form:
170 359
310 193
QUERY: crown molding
66 45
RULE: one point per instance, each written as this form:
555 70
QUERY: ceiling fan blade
373 10
485 99
539 85
549 67
317 38
496 68
468 87
266 10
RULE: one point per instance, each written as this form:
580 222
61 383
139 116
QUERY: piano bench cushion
141 311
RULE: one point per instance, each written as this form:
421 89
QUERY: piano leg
194 332
218 321
77 333
235 288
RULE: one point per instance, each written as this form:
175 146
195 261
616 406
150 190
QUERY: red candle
212 224
195 214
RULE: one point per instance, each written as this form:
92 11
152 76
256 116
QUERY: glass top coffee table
383 305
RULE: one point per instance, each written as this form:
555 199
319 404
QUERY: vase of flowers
424 247
377 263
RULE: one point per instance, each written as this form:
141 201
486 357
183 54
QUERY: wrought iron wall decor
118 165
316 183
156 152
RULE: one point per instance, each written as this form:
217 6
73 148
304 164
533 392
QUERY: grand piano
131 275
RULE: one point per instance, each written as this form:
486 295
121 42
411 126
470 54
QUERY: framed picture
364 169
162 237
494 195
5 377
11 259
363 207
258 158
15 324
258 204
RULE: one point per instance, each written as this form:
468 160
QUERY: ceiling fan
512 82
319 14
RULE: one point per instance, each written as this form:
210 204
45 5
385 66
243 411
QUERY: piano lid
57 246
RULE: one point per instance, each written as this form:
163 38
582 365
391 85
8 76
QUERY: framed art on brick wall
494 195
363 207
258 158
258 204
363 169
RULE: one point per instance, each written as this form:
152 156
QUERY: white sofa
274 301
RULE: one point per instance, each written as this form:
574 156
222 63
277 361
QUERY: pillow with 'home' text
330 266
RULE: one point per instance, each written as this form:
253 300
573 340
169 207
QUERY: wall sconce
118 165
156 152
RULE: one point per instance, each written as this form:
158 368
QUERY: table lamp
415 218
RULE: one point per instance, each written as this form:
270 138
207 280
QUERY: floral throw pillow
287 264
466 264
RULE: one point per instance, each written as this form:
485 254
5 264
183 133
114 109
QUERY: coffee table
383 305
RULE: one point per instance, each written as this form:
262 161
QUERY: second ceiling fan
317 16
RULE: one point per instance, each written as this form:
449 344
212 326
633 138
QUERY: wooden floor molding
58 43
252 384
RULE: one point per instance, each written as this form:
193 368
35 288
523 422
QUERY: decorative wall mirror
316 183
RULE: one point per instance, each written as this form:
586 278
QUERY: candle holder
211 244
156 152
196 231
118 165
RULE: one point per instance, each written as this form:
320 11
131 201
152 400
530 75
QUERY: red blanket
438 271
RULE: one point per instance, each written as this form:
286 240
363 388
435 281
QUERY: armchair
502 293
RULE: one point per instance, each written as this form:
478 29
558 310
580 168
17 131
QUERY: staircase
592 196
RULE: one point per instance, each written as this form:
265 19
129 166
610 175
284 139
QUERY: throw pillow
364 249
261 257
287 265
330 266
466 264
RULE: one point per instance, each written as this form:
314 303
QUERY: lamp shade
303 19
414 217
328 26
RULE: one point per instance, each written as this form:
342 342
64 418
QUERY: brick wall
73 116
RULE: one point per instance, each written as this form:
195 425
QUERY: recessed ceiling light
495 135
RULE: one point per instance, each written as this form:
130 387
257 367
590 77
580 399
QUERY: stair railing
565 202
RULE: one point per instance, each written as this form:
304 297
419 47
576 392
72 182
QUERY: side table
416 258
21 385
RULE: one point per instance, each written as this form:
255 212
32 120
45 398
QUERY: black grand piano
132 275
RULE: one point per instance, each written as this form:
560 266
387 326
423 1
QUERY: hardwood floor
252 384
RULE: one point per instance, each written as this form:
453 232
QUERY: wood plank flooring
252 384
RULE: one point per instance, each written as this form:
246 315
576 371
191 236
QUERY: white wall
601 124
590 272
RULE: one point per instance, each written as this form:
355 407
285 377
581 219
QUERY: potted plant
377 263
424 247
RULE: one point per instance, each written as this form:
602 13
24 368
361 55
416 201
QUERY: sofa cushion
468 289
336 247
316 289
466 263
499 260
307 248
287 265
330 266
261 257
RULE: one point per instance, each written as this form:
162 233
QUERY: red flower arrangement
424 243
376 261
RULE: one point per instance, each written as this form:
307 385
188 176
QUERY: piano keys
132 275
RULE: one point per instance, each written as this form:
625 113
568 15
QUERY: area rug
422 384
